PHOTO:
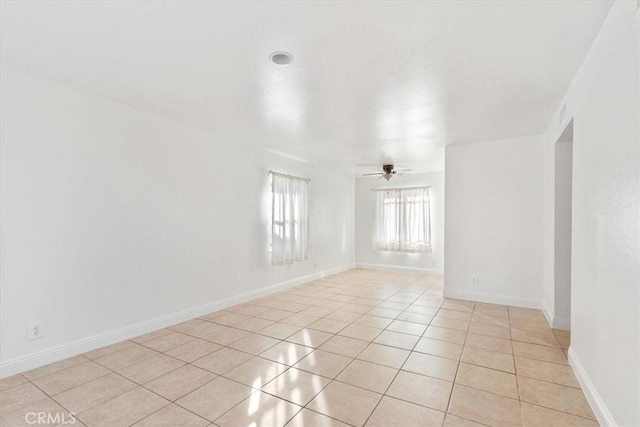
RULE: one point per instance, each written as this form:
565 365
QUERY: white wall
112 217
562 225
367 256
493 221
603 102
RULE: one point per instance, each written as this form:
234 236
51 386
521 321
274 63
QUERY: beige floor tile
128 356
103 351
251 310
346 403
344 346
344 316
433 366
389 313
479 320
172 415
454 314
177 383
459 305
300 320
69 378
554 396
489 359
397 339
27 415
317 311
357 308
12 381
230 319
254 324
536 416
323 363
259 410
308 418
19 396
426 391
440 348
222 360
95 392
296 386
254 344
370 376
484 407
280 330
167 342
542 337
484 342
527 325
423 319
286 353
373 321
256 372
52 368
455 324
198 328
124 410
394 412
490 330
309 338
486 379
329 325
193 350
366 333
225 335
455 421
546 371
407 327
444 334
384 355
151 368
539 352
215 398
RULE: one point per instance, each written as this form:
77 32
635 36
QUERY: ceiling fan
388 172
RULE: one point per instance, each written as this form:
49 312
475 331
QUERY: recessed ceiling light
281 58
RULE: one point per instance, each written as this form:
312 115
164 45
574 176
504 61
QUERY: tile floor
359 348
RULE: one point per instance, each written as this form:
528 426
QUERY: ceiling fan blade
380 177
402 174
370 174
404 170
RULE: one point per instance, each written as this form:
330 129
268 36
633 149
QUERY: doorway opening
562 241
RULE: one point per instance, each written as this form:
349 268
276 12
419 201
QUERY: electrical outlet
35 330
475 281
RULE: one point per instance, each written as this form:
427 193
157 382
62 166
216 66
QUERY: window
402 220
289 219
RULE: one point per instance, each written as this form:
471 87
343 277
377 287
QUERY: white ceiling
370 82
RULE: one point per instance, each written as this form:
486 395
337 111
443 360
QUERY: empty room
320 213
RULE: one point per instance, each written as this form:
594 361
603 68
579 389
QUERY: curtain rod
289 176
401 188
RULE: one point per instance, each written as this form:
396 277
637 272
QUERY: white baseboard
547 313
593 397
400 269
60 352
491 298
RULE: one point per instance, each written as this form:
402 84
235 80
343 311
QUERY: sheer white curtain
402 220
289 219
